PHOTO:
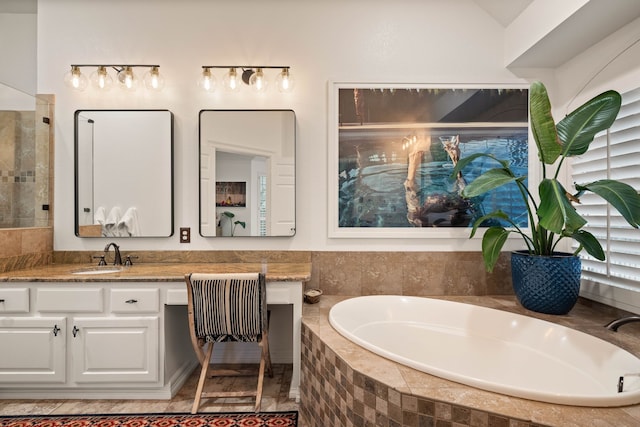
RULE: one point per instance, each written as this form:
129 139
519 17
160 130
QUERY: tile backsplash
356 273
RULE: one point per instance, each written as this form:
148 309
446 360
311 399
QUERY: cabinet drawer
135 300
70 300
14 300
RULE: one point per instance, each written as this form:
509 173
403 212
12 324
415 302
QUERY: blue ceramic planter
546 284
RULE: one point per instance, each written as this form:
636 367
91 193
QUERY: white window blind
614 154
262 205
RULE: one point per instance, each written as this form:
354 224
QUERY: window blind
614 154
262 205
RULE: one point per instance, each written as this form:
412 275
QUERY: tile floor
275 398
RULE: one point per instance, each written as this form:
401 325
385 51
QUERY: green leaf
542 124
489 180
589 243
478 222
242 223
228 214
555 211
492 243
463 162
576 131
621 196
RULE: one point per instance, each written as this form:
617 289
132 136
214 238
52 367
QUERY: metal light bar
102 81
251 75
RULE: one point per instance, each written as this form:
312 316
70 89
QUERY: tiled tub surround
346 385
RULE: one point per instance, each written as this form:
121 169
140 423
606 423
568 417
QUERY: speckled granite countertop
157 272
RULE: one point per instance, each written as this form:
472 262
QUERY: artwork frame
231 194
341 121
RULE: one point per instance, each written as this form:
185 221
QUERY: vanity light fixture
75 79
208 81
153 80
125 76
231 81
100 79
251 75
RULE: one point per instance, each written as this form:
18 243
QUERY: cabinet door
32 349
110 349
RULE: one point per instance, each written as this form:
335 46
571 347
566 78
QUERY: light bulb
127 79
100 79
285 81
75 79
207 81
231 80
153 80
257 81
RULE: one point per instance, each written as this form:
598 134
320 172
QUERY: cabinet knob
1 300
75 331
131 301
56 330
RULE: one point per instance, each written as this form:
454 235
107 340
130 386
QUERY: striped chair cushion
229 307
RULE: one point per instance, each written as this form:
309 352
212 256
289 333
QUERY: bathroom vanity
71 332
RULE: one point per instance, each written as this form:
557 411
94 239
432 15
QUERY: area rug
263 419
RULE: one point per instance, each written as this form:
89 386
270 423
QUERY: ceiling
503 11
566 40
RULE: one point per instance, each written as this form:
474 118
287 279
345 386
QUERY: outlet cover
185 235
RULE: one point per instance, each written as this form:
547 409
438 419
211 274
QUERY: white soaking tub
491 349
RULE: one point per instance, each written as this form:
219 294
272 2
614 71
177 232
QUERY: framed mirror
123 173
247 173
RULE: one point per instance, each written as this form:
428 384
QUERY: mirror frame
294 228
171 172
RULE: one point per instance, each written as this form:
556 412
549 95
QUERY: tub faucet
117 259
614 325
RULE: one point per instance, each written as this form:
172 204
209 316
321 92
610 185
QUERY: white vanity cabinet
32 350
127 336
80 335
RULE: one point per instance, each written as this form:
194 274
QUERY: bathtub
491 349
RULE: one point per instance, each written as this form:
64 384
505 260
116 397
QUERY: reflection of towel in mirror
100 216
128 224
109 229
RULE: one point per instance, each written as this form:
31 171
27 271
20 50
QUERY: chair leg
263 362
203 377
267 355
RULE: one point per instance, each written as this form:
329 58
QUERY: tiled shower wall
17 168
26 184
25 150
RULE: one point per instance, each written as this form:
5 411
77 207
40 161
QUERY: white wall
426 41
18 50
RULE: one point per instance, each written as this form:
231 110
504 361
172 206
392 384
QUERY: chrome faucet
117 259
614 325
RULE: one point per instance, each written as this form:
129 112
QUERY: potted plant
552 216
233 224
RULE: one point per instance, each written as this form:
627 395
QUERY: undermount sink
97 270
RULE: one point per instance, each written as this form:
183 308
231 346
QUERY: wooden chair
228 307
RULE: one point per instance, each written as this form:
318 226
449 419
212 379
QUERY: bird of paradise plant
552 215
